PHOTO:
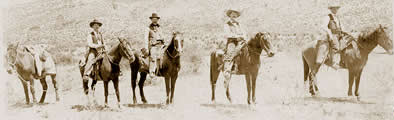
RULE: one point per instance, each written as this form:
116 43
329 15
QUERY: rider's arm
324 26
146 38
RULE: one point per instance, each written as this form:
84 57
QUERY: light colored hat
334 4
228 12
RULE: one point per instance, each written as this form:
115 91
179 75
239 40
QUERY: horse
109 68
20 59
355 56
250 57
169 69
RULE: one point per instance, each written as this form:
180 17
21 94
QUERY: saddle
43 55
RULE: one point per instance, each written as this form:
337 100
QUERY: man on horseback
96 48
236 36
154 37
333 30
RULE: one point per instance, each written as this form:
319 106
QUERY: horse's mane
114 48
367 33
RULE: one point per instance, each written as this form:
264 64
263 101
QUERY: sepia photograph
196 60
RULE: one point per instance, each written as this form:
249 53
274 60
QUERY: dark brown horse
110 69
22 61
169 70
250 57
355 57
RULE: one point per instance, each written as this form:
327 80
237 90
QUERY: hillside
64 23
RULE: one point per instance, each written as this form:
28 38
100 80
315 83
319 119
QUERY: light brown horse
22 61
109 69
250 64
355 56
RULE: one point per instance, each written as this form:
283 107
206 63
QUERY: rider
96 47
154 37
333 29
236 36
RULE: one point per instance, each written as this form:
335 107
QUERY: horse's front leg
167 82
357 79
351 81
106 92
248 86
134 84
141 86
253 79
32 90
116 86
54 82
44 89
93 87
26 90
173 81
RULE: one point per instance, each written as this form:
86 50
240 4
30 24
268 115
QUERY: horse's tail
306 68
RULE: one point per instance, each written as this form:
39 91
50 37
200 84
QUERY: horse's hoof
249 102
144 101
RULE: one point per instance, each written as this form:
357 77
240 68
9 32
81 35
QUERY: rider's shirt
331 23
153 34
233 29
95 39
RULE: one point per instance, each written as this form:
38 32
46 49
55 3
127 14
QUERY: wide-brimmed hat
154 15
95 22
228 12
334 5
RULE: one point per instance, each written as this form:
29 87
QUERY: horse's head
177 42
263 38
383 39
11 56
125 46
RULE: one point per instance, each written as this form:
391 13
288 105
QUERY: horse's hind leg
26 90
44 89
141 86
54 82
32 90
116 86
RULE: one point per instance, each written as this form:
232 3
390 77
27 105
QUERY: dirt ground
280 95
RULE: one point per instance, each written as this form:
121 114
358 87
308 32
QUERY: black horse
169 69
109 69
250 57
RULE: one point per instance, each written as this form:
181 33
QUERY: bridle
178 52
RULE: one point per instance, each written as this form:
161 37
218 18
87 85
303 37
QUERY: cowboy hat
334 5
228 12
154 15
95 22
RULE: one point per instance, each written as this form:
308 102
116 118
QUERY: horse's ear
120 39
380 25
